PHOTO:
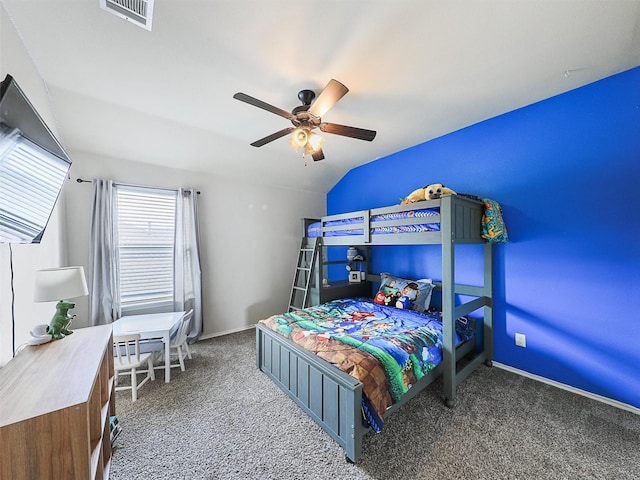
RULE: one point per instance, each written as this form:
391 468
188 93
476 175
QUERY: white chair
127 357
178 341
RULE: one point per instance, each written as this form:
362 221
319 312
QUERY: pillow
403 293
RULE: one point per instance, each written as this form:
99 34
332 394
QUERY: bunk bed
332 397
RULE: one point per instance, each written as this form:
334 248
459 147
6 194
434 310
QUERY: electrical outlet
521 340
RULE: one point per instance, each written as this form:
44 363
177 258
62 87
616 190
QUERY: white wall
250 235
14 60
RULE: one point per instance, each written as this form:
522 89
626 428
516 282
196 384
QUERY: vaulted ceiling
416 70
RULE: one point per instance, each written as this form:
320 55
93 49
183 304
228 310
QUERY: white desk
152 325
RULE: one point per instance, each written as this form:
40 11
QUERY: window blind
145 238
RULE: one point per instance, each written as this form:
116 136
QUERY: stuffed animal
436 190
404 302
428 192
59 326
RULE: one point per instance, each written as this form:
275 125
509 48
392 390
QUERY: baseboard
226 332
584 393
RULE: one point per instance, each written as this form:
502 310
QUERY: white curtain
105 307
188 280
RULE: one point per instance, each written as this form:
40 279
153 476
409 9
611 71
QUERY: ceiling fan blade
317 156
243 97
272 137
353 132
328 97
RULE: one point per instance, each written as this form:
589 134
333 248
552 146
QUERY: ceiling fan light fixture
309 141
308 150
299 138
292 143
315 142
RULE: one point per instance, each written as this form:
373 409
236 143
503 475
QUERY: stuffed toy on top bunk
428 192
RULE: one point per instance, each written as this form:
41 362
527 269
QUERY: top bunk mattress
315 229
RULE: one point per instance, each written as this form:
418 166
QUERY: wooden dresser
55 404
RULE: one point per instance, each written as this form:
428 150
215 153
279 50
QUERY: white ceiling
416 69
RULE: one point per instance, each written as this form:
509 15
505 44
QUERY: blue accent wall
566 171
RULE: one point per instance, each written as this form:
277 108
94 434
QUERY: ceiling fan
307 117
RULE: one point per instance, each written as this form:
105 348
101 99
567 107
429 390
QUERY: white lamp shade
53 284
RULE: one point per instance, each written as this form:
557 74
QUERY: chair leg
134 385
181 357
157 357
186 346
151 372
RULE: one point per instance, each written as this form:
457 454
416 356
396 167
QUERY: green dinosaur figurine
59 326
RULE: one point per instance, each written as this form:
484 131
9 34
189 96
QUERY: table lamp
60 284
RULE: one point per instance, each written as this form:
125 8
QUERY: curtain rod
81 180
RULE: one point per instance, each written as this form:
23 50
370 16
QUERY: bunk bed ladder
307 259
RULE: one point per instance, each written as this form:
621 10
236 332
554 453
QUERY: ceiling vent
139 12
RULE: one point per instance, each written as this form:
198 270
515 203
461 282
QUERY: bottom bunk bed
351 362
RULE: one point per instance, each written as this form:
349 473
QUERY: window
145 219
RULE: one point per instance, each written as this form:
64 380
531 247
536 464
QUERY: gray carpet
224 419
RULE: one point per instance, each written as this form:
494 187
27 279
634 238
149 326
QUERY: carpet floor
224 419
